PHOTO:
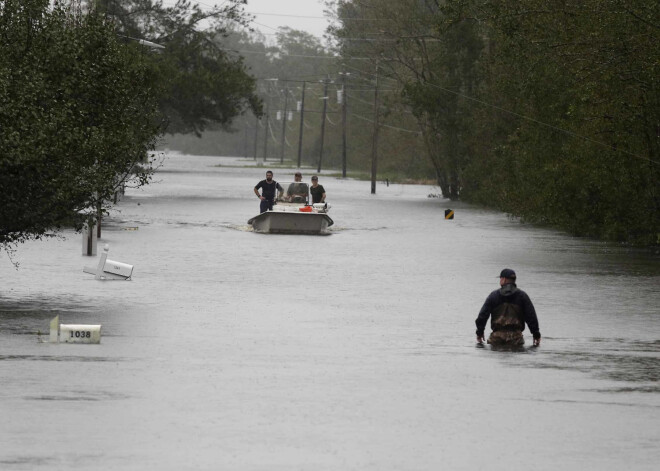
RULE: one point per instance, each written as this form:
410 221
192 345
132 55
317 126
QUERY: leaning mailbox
74 333
109 269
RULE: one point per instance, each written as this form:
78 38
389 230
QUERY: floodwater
354 351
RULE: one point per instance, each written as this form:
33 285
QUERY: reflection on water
79 396
27 461
636 363
84 358
230 349
618 367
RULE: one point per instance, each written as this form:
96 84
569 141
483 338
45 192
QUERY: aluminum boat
292 213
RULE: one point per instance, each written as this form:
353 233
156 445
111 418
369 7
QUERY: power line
536 121
387 125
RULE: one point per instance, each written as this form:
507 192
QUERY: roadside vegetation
547 110
87 89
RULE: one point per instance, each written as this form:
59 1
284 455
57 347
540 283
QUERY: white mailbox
74 333
118 268
80 333
110 269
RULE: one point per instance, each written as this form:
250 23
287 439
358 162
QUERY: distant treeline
547 110
293 64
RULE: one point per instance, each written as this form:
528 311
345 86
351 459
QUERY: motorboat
293 214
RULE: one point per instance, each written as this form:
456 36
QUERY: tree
78 111
579 148
204 85
546 109
434 61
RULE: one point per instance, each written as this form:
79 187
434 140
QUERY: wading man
268 188
510 309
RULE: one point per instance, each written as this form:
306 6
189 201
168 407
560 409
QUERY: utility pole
266 128
302 118
286 102
374 144
256 136
245 139
344 97
325 107
270 80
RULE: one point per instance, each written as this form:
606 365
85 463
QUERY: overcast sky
305 15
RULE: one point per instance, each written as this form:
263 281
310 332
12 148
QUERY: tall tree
78 111
580 142
434 61
548 110
204 84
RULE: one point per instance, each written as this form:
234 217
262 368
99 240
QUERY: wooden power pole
302 118
374 144
286 103
325 107
344 97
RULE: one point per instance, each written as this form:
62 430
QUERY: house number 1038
81 334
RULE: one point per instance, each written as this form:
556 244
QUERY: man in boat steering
297 191
510 309
268 188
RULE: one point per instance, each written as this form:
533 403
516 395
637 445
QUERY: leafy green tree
204 84
546 109
579 146
78 111
433 59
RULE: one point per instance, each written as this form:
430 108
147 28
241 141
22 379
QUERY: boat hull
276 222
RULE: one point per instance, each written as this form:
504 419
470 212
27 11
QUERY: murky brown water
236 350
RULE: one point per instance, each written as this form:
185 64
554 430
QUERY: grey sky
305 15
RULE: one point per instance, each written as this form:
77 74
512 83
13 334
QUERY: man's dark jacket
511 309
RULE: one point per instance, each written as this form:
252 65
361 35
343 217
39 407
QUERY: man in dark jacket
268 189
510 309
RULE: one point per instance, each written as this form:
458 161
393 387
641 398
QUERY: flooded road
354 351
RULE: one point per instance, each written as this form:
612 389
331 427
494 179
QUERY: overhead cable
387 125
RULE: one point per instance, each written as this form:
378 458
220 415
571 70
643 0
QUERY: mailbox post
89 239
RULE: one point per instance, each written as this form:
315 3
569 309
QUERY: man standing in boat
317 191
268 188
511 309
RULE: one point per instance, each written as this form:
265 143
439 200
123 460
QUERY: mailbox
80 333
74 333
118 268
110 269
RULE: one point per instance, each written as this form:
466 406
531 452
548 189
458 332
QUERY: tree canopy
78 110
204 85
548 110
84 97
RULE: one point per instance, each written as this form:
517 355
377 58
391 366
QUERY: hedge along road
236 350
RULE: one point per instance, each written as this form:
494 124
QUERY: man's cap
508 273
298 174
